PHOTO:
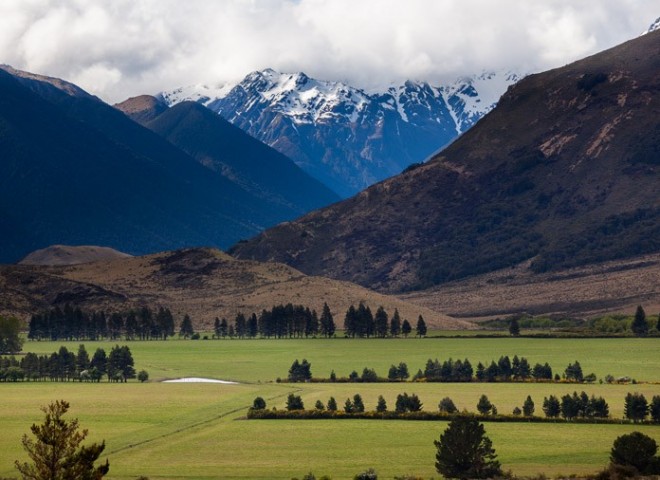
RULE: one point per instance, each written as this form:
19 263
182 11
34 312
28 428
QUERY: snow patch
199 380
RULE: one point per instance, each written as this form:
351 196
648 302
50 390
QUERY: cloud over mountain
126 47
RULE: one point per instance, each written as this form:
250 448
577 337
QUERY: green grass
195 431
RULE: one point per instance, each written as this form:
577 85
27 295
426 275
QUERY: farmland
195 430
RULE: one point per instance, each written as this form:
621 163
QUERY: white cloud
126 47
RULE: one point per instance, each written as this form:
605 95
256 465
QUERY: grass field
195 431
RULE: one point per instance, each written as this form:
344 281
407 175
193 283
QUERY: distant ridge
71 255
344 136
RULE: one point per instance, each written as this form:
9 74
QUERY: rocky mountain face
563 172
346 137
77 171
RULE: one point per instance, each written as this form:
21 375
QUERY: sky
121 48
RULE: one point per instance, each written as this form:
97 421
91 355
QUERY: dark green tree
319 405
393 373
402 371
143 376
327 322
551 407
574 372
635 407
348 406
381 406
120 364
82 359
10 340
528 407
514 327
421 327
395 324
639 325
654 408
634 449
332 404
464 451
406 328
381 322
259 404
186 329
447 405
56 452
294 402
484 406
358 404
300 371
369 375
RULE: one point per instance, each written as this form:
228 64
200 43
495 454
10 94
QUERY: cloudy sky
120 48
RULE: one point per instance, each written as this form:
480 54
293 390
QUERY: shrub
370 474
143 376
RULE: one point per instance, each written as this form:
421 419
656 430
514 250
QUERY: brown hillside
71 255
616 286
204 283
564 172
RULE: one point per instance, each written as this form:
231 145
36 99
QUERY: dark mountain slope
77 171
564 171
230 151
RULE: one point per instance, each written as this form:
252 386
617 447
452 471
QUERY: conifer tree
639 325
406 328
57 453
464 451
421 327
395 324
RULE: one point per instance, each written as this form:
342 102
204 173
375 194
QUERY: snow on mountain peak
654 26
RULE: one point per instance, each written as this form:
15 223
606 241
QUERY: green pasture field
196 431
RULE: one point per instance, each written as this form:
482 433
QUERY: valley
310 276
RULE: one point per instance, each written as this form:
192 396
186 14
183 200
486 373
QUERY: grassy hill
204 283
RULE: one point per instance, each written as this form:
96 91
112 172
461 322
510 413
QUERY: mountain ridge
344 136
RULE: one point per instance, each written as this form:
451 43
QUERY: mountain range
563 172
77 171
346 137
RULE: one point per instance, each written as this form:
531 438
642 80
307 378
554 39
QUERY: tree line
454 371
569 407
66 366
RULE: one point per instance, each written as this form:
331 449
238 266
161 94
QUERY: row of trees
505 370
282 321
568 407
360 322
64 366
71 323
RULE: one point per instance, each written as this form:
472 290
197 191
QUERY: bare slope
204 283
563 172
71 255
615 286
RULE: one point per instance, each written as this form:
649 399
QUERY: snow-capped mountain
654 26
344 136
